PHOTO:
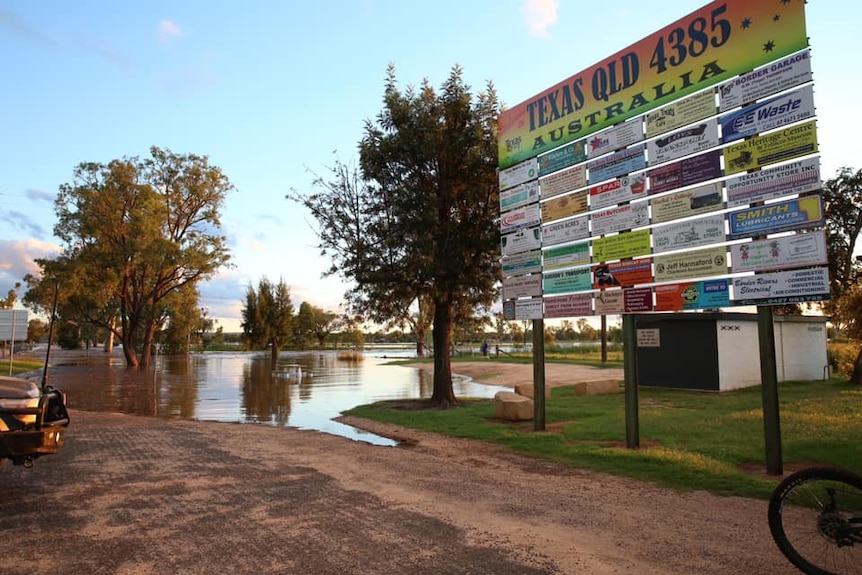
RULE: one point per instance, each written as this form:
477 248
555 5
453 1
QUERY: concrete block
510 406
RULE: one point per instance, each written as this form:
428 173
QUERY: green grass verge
19 366
689 440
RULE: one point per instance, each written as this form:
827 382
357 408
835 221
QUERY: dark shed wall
688 355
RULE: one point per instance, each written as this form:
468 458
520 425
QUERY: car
33 420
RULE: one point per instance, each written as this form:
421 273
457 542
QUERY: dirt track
136 495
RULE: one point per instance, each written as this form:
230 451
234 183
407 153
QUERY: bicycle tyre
795 528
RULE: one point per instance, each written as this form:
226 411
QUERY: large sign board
643 161
705 48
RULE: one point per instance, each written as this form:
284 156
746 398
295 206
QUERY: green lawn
19 366
689 440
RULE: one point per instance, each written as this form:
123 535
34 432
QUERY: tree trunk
129 345
274 353
856 378
604 339
443 394
420 342
147 350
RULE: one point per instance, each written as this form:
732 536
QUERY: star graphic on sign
769 46
746 23
776 18
595 142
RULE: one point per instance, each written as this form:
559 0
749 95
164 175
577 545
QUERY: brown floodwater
245 387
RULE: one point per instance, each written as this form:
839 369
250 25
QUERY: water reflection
247 388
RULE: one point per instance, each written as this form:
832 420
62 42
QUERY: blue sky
271 90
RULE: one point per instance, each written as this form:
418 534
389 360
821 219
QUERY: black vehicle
33 420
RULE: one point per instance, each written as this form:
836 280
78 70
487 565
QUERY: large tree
267 316
420 221
842 196
135 231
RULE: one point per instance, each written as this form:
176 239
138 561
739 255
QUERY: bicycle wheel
811 517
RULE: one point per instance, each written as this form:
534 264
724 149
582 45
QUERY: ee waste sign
680 173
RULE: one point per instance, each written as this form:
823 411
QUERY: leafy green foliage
267 316
134 231
842 196
420 221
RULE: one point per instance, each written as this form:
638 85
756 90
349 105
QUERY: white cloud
168 31
540 15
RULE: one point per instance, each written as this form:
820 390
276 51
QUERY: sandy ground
136 495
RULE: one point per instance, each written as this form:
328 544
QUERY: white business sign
780 111
570 230
784 252
683 142
620 218
689 234
522 286
521 241
615 138
519 173
771 79
523 217
788 179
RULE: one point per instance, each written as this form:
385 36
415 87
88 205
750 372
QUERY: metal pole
769 390
538 375
630 368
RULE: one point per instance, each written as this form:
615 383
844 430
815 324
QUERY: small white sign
649 337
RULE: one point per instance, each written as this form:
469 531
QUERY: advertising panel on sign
776 253
564 206
694 264
785 180
566 231
637 300
609 302
797 214
618 164
523 217
618 191
622 274
621 246
521 241
519 174
566 256
620 218
692 295
567 281
526 263
780 111
563 157
687 203
685 172
522 286
777 288
683 142
528 309
572 305
564 181
681 113
520 195
771 148
776 77
697 51
688 234
615 138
